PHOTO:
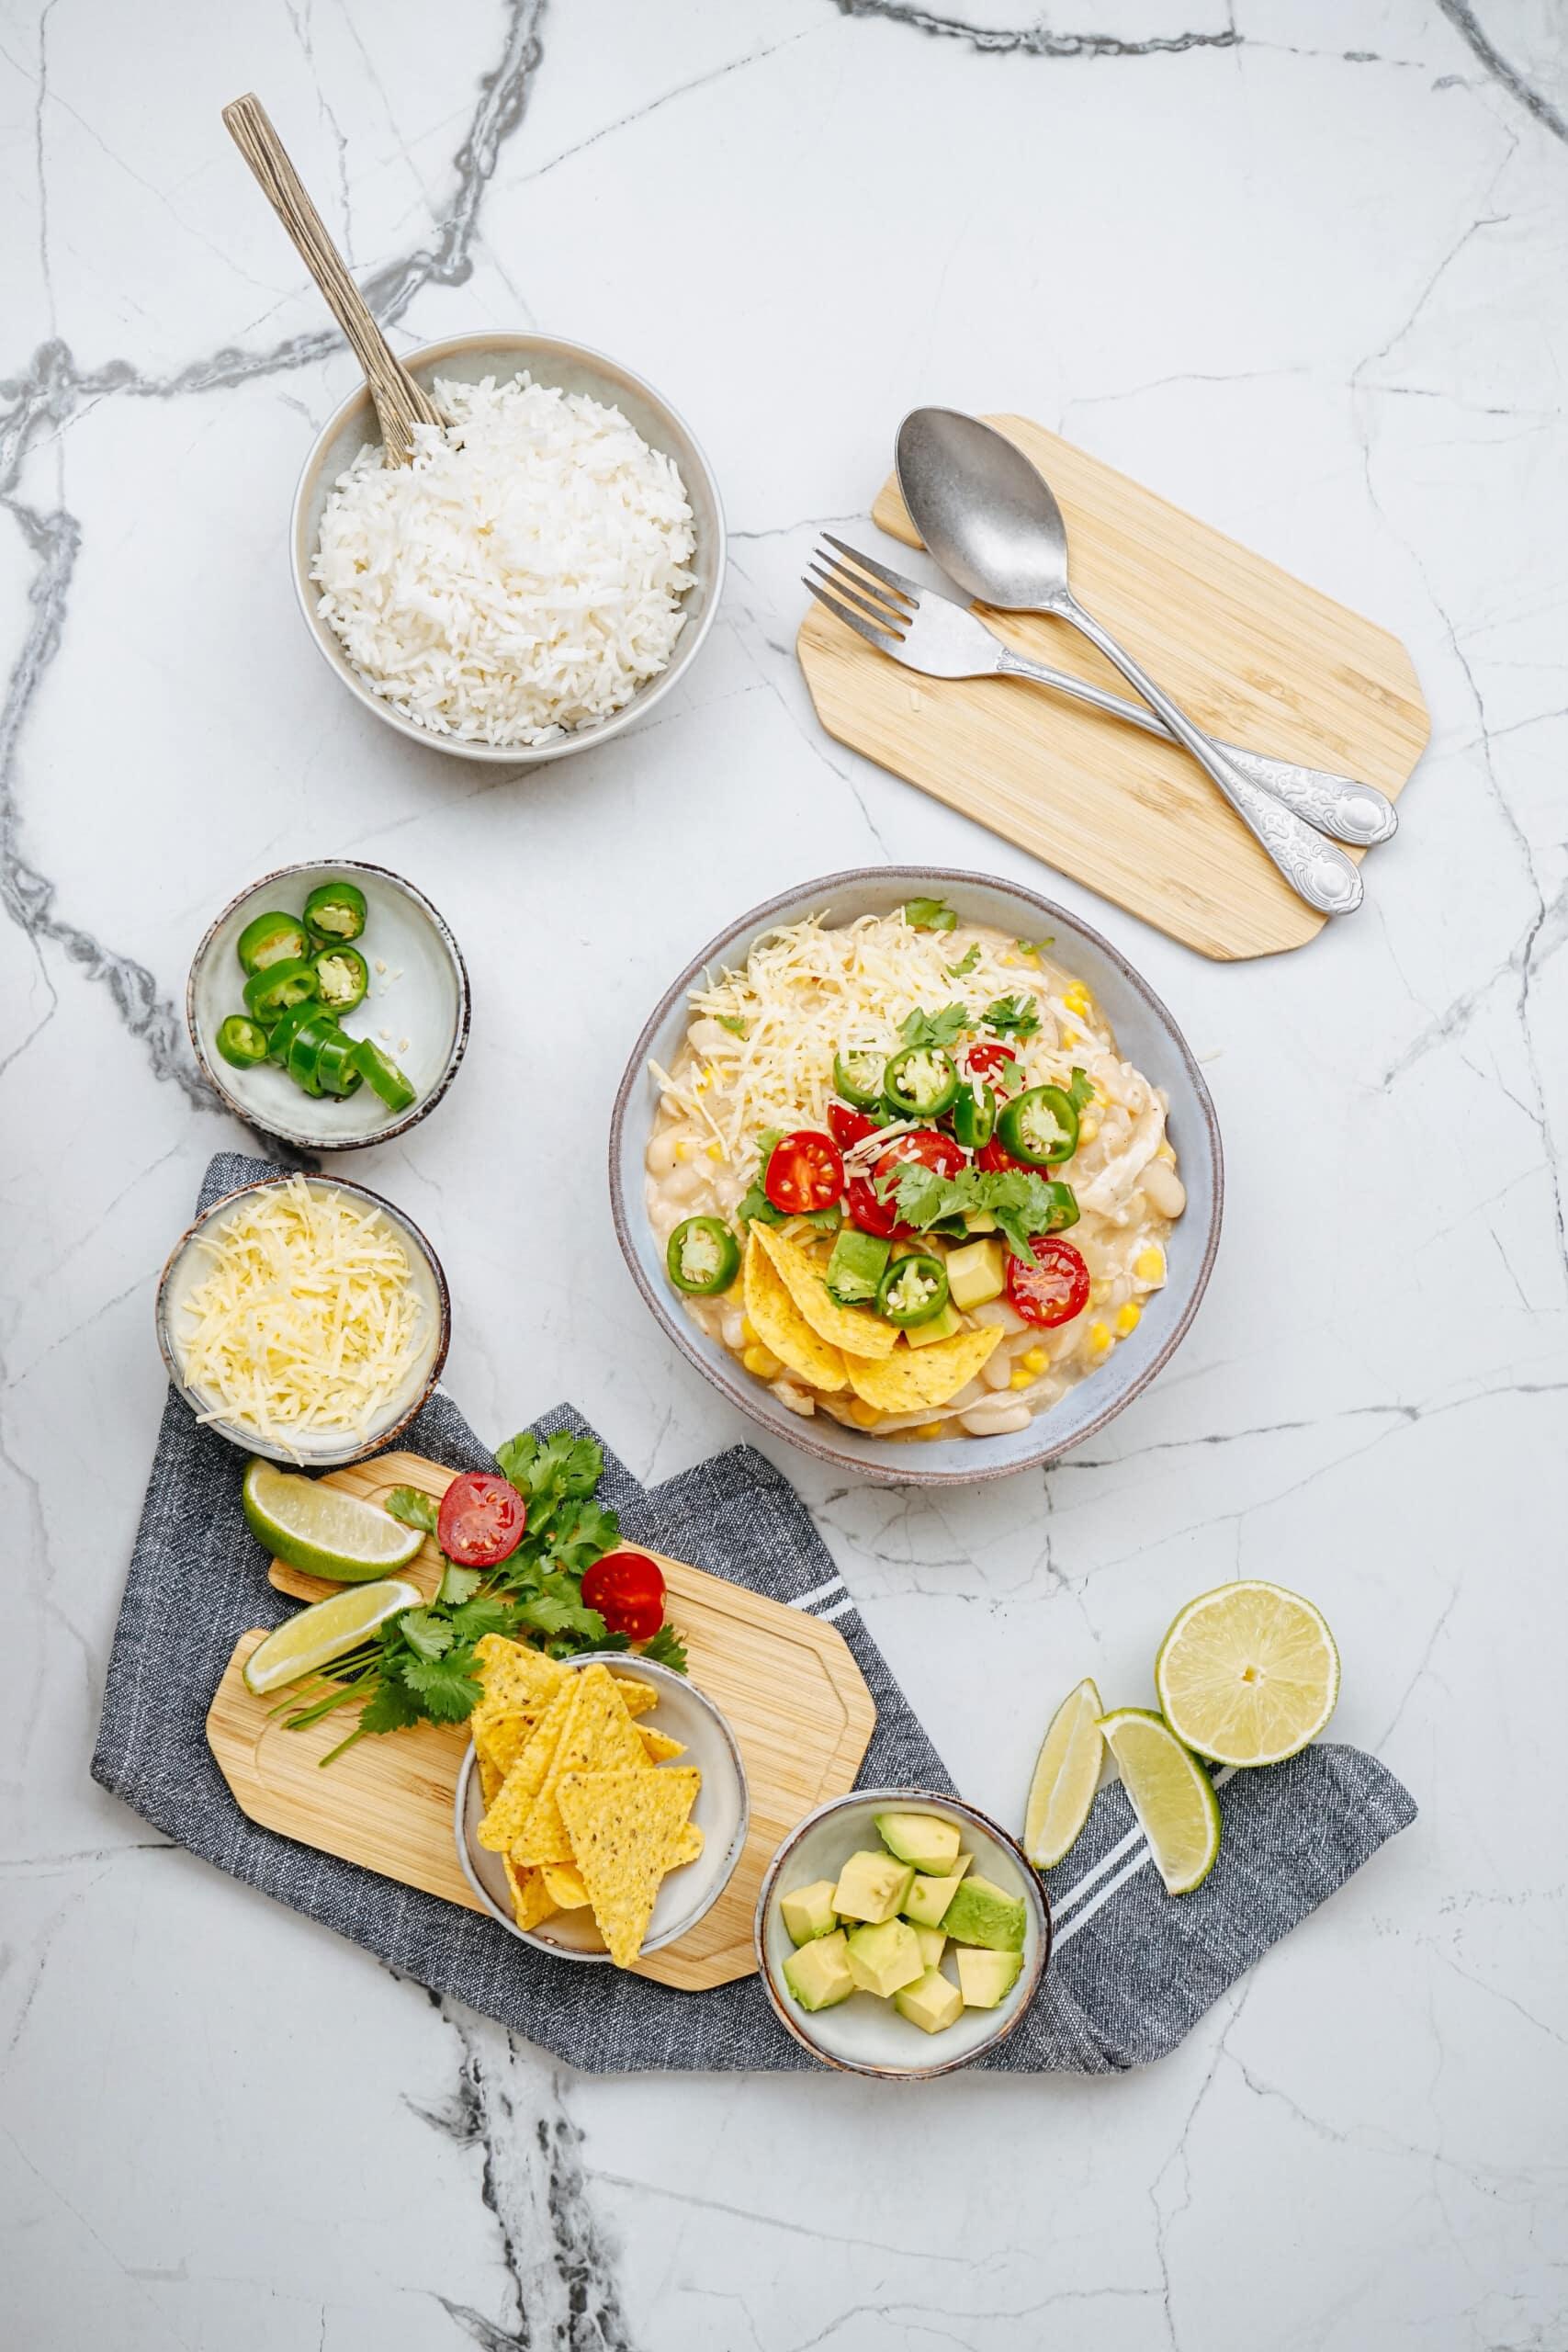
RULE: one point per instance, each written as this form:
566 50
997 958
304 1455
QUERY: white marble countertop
1298 264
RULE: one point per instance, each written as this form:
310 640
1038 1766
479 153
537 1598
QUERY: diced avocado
932 1943
983 1914
818 1973
926 1903
987 1977
923 1839
934 1328
872 1887
980 1221
932 2003
885 1959
809 1912
856 1267
974 1273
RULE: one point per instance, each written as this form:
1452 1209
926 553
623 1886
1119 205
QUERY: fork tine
882 643
894 621
907 588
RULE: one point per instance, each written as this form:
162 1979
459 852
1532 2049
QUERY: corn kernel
1009 959
1099 1338
683 1152
1127 1318
748 1331
1071 1038
1089 1127
1077 999
864 1416
929 1429
717 1151
1036 1358
761 1363
1020 1379
1149 1264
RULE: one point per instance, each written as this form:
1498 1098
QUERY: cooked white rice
522 578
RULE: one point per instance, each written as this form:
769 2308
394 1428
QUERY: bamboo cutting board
794 1698
1256 656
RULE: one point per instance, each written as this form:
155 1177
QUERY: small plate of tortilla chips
602 1806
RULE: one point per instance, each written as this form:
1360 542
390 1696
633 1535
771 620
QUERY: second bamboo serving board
794 1695
1256 656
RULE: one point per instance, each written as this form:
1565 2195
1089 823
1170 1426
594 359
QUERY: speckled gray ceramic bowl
1147 1035
574 368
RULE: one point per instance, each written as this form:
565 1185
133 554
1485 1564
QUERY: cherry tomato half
628 1589
850 1127
921 1144
1054 1288
481 1519
805 1171
985 1059
996 1155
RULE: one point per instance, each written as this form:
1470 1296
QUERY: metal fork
928 632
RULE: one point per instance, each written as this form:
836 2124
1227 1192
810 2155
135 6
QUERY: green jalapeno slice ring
277 986
242 1043
384 1077
1040 1128
920 1083
975 1115
305 1050
334 913
342 978
337 1072
1063 1208
280 1033
858 1076
703 1256
272 938
913 1289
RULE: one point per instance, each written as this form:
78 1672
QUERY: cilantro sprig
1014 1016
1022 1203
929 914
944 1028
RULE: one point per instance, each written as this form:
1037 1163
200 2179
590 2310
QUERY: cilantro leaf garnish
733 1022
1022 1202
414 1510
943 1028
666 1648
1015 1016
966 963
1081 1091
445 1686
929 914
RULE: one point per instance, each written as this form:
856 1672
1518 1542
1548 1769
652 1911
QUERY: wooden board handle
400 403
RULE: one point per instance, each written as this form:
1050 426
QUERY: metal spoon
991 519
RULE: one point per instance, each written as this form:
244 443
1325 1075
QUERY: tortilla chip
531 1898
515 1675
563 1884
853 1329
599 1736
500 1738
660 1747
688 1846
781 1325
624 1827
512 1807
491 1779
916 1377
636 1697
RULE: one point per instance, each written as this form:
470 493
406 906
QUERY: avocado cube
934 2004
932 1943
934 1328
923 1839
974 1273
885 1959
987 1977
983 1914
818 1973
872 1887
980 1221
926 1903
808 1912
857 1265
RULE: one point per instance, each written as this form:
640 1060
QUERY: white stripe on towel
817 1592
838 1608
1134 1838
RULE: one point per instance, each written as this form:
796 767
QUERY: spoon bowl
987 514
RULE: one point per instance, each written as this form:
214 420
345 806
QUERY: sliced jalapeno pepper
975 1115
385 1079
857 1076
1063 1208
305 1050
913 1289
277 986
272 939
703 1256
335 912
341 978
1040 1128
242 1043
921 1083
280 1033
336 1068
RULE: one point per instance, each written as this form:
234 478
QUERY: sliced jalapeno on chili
703 1256
913 1289
1064 1207
305 1051
341 978
242 1043
975 1115
272 990
336 1068
1040 1128
857 1076
272 939
385 1078
921 1083
335 912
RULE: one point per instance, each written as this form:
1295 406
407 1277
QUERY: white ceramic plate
865 2035
421 996
721 1813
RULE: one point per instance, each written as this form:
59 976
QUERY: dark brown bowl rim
421 1109
1026 1871
443 1299
733 1386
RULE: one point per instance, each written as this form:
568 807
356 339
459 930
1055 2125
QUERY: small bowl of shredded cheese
304 1319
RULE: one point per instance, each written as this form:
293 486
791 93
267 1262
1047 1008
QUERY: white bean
684 1183
1163 1190
659 1156
997 1313
733 1329
994 1420
797 1399
997 1370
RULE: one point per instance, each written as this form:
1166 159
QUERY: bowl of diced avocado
900 1933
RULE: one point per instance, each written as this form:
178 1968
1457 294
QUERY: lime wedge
328 1629
321 1531
1171 1794
1248 1674
1065 1779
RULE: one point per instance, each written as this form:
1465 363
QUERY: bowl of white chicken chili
917 1170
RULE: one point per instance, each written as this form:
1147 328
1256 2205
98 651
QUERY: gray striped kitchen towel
1133 1970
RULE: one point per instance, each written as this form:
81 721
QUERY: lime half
1065 1779
1171 1794
321 1530
327 1630
1248 1674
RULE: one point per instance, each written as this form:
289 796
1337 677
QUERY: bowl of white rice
541 575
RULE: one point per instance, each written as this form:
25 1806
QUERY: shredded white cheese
307 1318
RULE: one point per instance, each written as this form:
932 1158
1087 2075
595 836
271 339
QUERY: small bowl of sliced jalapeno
329 1005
